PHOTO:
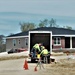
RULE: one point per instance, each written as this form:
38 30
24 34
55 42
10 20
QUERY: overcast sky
12 12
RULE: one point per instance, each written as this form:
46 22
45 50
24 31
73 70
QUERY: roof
55 31
19 34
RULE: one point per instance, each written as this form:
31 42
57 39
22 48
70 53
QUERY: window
26 41
14 42
57 41
19 41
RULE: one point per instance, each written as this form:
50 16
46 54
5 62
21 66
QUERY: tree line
43 23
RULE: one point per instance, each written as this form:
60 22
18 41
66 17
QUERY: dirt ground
63 67
15 67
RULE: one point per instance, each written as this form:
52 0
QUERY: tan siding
20 43
9 44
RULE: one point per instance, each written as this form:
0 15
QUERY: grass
12 57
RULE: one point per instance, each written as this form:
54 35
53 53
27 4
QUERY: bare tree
52 23
43 23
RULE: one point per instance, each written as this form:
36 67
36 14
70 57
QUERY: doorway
67 42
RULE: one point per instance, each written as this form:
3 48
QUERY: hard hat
43 47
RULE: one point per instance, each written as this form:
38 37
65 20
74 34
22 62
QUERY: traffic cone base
25 65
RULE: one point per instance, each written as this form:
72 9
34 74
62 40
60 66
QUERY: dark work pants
48 57
34 51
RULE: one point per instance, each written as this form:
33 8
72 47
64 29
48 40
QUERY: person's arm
39 48
41 53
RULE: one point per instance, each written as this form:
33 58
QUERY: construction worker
44 53
36 49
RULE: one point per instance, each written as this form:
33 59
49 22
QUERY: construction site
19 64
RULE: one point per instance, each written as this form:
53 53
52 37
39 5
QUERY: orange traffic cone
25 65
35 69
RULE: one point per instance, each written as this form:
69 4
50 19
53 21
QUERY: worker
42 47
44 53
36 49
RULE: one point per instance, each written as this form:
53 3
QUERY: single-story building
61 39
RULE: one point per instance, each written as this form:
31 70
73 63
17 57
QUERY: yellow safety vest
36 46
45 51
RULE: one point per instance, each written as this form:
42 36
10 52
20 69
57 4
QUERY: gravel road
15 67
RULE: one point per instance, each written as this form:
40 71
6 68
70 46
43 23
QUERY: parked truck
44 37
